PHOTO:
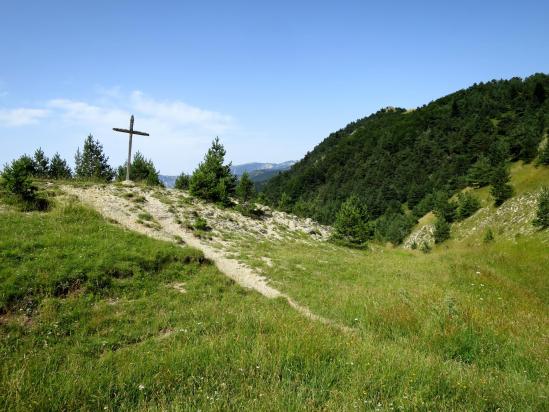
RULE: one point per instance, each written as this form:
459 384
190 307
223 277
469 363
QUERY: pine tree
442 230
92 163
245 188
467 205
542 215
443 207
182 181
501 189
544 154
16 179
41 163
351 222
58 168
212 180
539 94
141 170
480 173
285 202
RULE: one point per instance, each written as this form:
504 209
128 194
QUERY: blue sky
271 79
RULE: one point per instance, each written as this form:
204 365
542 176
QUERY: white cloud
172 118
179 132
85 113
180 113
21 116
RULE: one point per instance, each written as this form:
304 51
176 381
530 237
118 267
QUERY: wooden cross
131 132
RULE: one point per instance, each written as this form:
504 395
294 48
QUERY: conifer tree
285 202
212 180
480 173
542 215
245 188
182 181
41 163
501 189
16 179
539 94
58 168
443 207
351 222
92 163
142 170
544 154
467 205
442 230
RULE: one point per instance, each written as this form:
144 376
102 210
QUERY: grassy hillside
511 220
397 157
95 317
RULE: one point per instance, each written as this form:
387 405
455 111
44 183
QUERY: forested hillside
397 161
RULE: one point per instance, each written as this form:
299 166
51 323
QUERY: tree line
212 180
399 164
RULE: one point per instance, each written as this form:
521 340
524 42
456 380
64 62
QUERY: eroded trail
113 206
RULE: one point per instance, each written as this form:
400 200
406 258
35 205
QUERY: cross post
131 132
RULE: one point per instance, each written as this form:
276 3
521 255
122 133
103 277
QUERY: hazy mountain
255 166
259 172
169 181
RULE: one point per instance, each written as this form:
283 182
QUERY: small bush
145 216
425 247
467 205
542 215
488 236
19 187
442 230
249 210
544 154
201 224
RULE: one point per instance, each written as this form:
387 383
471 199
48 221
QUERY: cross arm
116 129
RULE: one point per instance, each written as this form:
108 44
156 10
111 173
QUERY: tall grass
95 317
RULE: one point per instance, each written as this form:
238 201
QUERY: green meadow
96 317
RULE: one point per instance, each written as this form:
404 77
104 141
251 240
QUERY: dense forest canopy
396 161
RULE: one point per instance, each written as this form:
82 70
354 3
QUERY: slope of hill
513 219
107 318
396 156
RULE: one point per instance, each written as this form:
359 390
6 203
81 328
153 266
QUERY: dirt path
106 202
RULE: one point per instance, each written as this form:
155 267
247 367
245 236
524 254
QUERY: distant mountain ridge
256 166
169 181
259 172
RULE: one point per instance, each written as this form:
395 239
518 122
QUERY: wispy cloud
180 113
80 112
21 116
173 117
179 132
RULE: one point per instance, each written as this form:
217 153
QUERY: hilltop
396 159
